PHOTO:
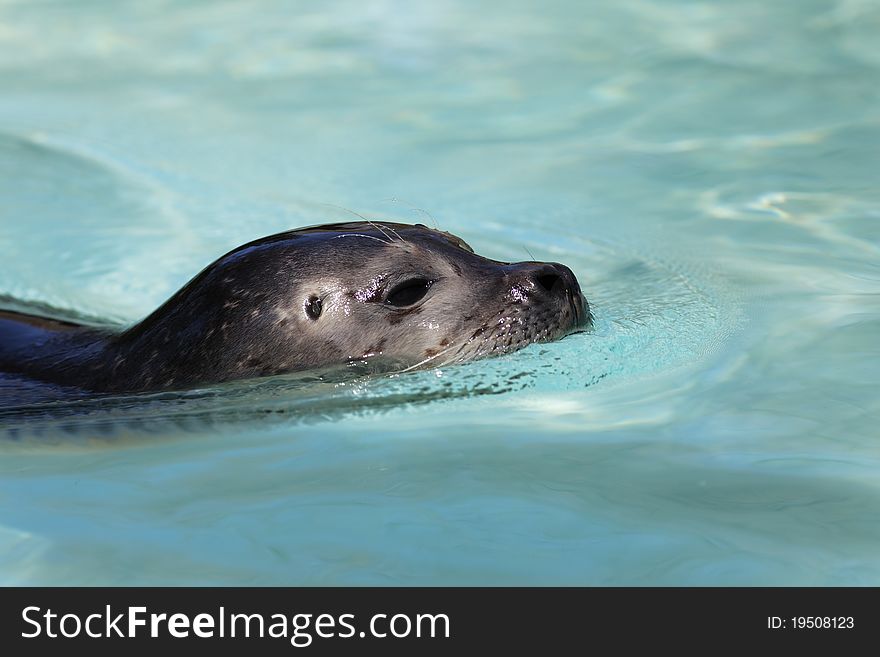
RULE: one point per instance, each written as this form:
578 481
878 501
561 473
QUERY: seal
398 296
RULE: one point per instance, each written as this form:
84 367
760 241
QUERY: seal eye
409 292
313 307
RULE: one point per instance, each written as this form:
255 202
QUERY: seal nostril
548 281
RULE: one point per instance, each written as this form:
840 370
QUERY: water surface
708 170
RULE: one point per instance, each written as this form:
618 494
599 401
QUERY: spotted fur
253 313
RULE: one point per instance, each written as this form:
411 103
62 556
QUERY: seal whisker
368 237
413 208
379 228
392 230
360 216
430 216
426 360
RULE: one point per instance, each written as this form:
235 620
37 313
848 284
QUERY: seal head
397 295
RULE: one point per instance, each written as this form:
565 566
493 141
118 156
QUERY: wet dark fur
243 315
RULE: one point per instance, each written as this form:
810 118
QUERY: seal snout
554 283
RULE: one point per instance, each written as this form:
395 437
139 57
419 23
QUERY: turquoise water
708 169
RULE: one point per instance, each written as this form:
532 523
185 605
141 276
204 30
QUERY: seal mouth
583 318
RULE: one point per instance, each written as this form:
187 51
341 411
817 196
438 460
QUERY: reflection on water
706 170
